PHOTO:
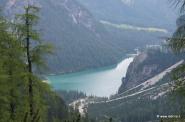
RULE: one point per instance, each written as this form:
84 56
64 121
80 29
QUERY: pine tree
177 44
3 76
78 118
12 68
110 120
34 50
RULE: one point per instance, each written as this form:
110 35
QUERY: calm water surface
101 82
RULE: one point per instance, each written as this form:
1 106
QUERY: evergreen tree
110 120
3 76
78 118
12 68
177 44
34 50
23 96
177 41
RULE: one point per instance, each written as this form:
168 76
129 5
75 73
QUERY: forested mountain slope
136 21
77 37
80 40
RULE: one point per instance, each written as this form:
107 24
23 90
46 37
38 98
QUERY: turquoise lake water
101 82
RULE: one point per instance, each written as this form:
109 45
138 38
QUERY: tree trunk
29 65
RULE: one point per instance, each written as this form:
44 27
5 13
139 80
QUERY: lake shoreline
101 82
92 69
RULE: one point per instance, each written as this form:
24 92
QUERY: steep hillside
145 66
143 107
142 101
134 12
80 41
134 23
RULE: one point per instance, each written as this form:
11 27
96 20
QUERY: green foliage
15 75
177 41
177 44
11 75
34 50
135 110
21 55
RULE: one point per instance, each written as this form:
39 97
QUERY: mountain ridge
77 37
134 12
145 66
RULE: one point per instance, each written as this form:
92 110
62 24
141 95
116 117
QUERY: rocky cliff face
145 66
